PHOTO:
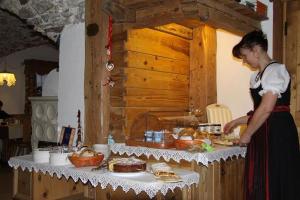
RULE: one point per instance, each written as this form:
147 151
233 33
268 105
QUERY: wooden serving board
140 142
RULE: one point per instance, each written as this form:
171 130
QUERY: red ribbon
109 37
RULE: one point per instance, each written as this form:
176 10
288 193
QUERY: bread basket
186 144
79 160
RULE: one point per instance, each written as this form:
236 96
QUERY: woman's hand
228 128
245 140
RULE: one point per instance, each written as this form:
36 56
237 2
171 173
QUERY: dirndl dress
272 168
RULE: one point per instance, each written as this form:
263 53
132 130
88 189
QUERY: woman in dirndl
272 168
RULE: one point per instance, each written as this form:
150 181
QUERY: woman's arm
260 115
234 123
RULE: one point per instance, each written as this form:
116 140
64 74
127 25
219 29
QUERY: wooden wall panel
157 43
156 73
155 80
156 63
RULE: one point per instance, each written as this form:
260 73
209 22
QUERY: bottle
110 140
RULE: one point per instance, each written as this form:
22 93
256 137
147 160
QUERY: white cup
40 156
102 148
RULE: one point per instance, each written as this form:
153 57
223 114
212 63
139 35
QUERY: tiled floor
6 182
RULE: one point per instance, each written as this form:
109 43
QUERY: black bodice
284 100
285 97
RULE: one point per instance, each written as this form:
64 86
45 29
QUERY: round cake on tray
126 165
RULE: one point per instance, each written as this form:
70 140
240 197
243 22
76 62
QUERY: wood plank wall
157 73
157 70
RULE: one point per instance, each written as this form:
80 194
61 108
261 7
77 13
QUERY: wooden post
97 96
278 31
203 48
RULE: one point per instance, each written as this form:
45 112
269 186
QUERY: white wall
50 85
14 97
233 77
71 75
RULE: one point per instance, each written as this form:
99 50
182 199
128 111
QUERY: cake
126 165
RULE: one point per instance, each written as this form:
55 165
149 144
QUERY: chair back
218 113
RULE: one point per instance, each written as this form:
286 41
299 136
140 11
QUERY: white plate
128 174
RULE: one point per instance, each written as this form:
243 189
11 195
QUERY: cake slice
130 164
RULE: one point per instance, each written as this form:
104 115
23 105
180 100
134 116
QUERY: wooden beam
176 29
118 11
96 95
212 12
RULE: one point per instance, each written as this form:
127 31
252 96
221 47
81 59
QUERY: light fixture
7 77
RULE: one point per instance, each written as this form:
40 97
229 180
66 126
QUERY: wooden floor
6 182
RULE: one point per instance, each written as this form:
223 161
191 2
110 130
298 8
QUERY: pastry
164 172
126 165
224 142
187 132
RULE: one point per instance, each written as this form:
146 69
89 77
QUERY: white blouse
275 78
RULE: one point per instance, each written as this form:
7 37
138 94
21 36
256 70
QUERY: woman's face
249 56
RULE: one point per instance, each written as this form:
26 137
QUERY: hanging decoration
109 65
79 139
109 82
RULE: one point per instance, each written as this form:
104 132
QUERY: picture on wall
67 136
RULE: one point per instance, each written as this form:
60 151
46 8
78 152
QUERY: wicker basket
80 161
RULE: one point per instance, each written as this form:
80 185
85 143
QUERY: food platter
225 142
128 174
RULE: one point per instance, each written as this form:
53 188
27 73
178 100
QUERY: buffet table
138 182
221 171
220 152
218 176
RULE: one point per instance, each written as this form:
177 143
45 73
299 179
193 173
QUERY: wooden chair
221 114
218 113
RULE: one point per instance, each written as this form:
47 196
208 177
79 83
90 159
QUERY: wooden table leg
15 182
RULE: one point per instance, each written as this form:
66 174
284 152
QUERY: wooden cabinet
39 186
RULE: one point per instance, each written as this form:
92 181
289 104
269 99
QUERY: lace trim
177 155
145 182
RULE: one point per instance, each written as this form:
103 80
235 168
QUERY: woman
272 159
3 114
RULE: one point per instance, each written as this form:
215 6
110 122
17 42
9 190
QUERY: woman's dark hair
1 103
251 39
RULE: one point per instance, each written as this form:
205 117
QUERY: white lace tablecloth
142 181
220 152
